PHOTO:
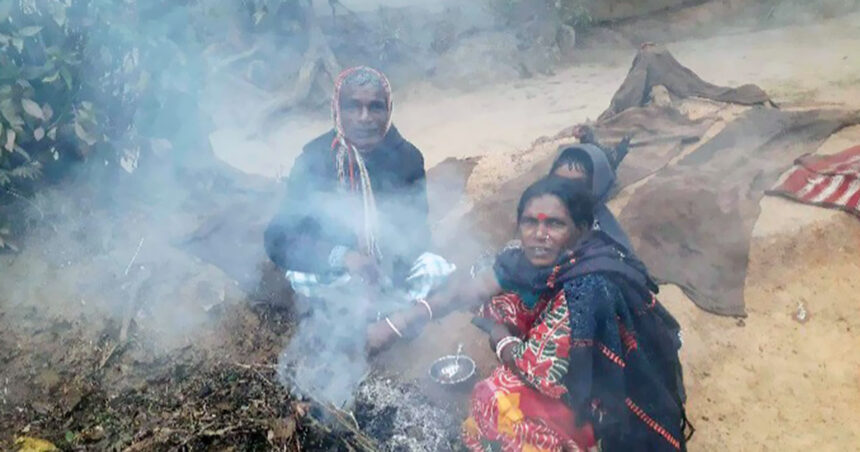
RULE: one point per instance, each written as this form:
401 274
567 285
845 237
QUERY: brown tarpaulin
655 66
691 222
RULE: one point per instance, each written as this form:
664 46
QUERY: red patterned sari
522 409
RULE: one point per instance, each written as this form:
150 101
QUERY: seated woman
356 201
591 163
588 356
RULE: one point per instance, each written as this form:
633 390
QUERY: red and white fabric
824 180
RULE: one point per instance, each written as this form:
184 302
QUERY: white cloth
428 272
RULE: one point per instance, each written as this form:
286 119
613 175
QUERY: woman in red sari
520 407
588 356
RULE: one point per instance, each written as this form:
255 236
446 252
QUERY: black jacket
316 216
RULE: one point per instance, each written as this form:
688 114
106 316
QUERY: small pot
440 370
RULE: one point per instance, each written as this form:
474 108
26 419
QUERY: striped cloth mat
828 181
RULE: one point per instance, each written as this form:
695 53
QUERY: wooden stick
133 258
366 443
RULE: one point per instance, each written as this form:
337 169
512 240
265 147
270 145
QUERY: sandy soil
771 381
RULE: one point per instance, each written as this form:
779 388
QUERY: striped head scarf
351 170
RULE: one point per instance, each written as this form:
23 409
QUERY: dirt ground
765 382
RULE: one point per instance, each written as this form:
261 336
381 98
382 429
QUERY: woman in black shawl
591 163
592 360
356 201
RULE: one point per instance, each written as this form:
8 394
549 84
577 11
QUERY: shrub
570 12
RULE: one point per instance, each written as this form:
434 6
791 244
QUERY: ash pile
325 363
399 417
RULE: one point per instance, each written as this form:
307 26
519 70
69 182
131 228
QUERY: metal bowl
452 369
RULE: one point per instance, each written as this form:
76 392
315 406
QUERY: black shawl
624 371
317 216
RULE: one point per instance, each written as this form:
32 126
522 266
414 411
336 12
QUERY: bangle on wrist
504 342
424 302
393 328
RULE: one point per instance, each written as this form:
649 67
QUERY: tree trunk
320 68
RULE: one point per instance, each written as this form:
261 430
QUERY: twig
263 377
352 416
133 287
28 201
131 262
235 58
219 432
362 440
134 300
110 354
253 366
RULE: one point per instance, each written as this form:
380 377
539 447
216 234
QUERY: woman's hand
361 266
379 337
499 332
408 322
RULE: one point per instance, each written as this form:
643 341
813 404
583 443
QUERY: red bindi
542 217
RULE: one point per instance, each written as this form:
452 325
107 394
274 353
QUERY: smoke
193 83
325 358
108 246
149 180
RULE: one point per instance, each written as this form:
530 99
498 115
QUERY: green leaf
22 152
53 52
84 136
51 78
39 133
52 134
67 77
18 43
4 39
6 9
29 31
8 110
58 12
82 114
10 140
31 72
33 109
31 171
